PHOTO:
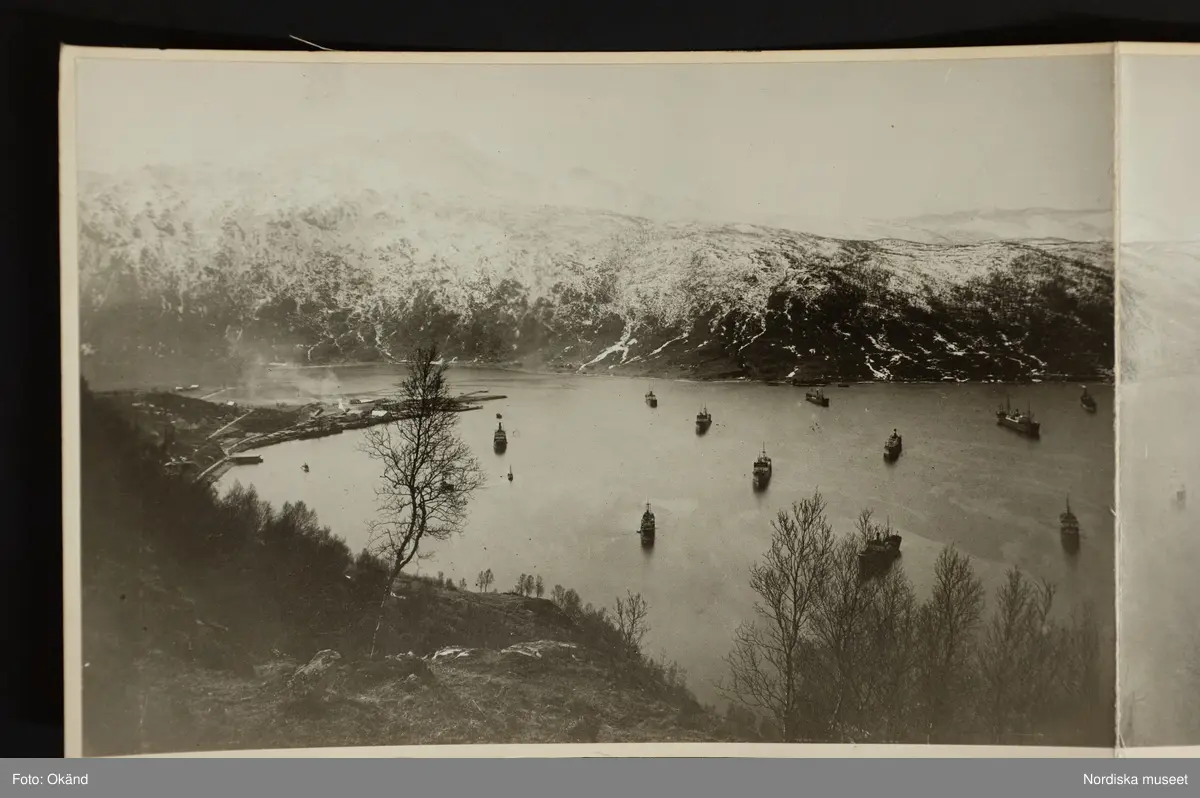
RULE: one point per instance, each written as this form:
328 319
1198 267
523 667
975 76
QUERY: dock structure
320 427
231 423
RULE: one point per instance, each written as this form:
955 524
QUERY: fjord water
587 453
1159 562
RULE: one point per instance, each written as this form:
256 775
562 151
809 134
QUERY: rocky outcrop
310 681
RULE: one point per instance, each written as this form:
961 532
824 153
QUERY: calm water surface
1160 558
587 454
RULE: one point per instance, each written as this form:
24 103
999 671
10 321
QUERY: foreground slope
219 623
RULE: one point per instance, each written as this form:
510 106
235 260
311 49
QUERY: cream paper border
73 669
1133 49
1116 245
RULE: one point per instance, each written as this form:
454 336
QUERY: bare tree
768 657
568 600
632 612
1019 657
866 527
891 655
539 587
948 622
840 625
1080 674
429 473
484 580
519 589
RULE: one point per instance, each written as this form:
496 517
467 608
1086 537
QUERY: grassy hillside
198 610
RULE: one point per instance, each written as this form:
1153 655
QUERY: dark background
30 35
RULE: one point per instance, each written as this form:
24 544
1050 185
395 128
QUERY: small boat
893 446
647 528
500 438
1068 527
1086 401
703 421
817 397
510 474
762 471
1017 421
879 552
304 468
651 399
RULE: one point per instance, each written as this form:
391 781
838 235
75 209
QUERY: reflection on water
588 454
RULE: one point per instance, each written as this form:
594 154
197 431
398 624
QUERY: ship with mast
817 397
1068 528
703 421
893 446
1020 422
762 471
651 399
879 551
1087 401
499 438
647 528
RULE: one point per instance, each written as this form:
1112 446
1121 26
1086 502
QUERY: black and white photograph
468 400
1159 376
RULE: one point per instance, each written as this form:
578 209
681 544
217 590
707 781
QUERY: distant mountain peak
325 267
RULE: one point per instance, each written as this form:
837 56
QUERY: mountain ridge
321 268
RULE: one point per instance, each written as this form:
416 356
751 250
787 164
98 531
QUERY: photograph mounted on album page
1159 443
701 404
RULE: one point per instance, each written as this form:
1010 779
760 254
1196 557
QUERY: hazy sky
1160 148
882 140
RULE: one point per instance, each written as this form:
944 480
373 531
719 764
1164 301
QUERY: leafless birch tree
429 473
766 665
948 621
632 612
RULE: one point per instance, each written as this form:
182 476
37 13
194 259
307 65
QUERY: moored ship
893 446
647 529
817 397
500 438
703 421
651 399
1068 527
1017 421
880 551
1086 401
762 471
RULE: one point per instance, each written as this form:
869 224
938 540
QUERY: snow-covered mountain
354 254
1160 310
